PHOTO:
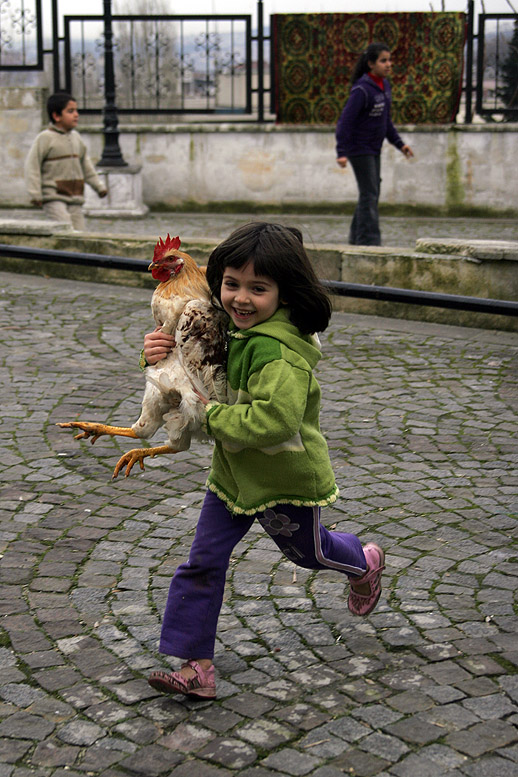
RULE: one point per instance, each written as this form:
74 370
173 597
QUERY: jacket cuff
142 361
205 421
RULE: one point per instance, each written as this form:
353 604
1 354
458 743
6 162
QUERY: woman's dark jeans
365 229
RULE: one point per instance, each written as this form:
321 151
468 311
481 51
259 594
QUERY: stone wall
454 166
477 268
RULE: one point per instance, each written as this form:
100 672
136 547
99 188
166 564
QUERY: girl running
270 460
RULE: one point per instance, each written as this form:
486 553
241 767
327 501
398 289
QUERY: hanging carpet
314 55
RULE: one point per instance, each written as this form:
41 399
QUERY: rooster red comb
162 247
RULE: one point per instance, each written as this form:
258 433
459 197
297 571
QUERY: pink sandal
363 604
201 686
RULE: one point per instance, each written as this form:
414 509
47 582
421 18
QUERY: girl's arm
394 138
347 121
277 402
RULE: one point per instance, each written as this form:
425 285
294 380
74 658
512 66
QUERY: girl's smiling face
248 298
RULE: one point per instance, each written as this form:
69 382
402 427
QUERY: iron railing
359 290
497 66
21 35
162 67
163 64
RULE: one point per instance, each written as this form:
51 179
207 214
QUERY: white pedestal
124 198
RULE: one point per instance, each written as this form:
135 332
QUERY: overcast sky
292 6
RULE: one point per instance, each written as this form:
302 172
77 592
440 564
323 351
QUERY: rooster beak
151 266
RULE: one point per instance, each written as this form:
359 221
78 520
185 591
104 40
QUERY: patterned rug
314 55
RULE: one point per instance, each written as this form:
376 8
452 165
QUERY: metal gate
214 65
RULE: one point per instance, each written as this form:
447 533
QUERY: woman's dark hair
277 252
57 103
370 54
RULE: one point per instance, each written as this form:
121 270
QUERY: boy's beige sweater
58 166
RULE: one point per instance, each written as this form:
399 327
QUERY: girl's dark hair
277 252
57 103
370 54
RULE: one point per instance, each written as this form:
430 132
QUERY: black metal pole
112 155
55 46
260 61
468 115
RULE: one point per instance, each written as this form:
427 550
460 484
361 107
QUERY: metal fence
163 64
497 66
215 64
21 35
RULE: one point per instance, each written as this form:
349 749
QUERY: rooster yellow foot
95 430
130 458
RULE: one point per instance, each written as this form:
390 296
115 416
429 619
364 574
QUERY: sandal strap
185 683
194 665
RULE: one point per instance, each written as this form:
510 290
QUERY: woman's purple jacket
365 121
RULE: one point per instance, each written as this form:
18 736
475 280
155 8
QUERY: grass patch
333 209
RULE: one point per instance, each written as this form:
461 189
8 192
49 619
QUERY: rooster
181 306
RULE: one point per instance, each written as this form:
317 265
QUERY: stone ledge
33 227
485 250
450 273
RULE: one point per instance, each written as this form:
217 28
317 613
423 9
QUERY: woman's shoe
201 686
364 603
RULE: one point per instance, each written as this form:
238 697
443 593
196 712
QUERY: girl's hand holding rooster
157 345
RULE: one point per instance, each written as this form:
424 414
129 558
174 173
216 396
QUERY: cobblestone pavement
421 421
317 229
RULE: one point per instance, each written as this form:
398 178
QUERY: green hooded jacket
268 445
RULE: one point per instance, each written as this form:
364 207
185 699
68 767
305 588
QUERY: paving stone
141 731
265 734
23 725
444 757
361 764
491 766
482 665
490 707
231 753
202 769
510 686
415 764
385 747
12 750
410 701
303 716
478 686
483 737
54 754
187 738
97 758
150 760
415 730
80 732
451 717
291 762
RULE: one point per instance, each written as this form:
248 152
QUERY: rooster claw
88 429
129 459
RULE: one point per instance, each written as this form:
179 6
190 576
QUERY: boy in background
58 165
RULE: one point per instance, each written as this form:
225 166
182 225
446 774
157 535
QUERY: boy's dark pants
196 591
365 229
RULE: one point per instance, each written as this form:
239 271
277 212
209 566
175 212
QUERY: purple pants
196 591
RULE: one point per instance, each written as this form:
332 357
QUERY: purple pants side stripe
197 588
